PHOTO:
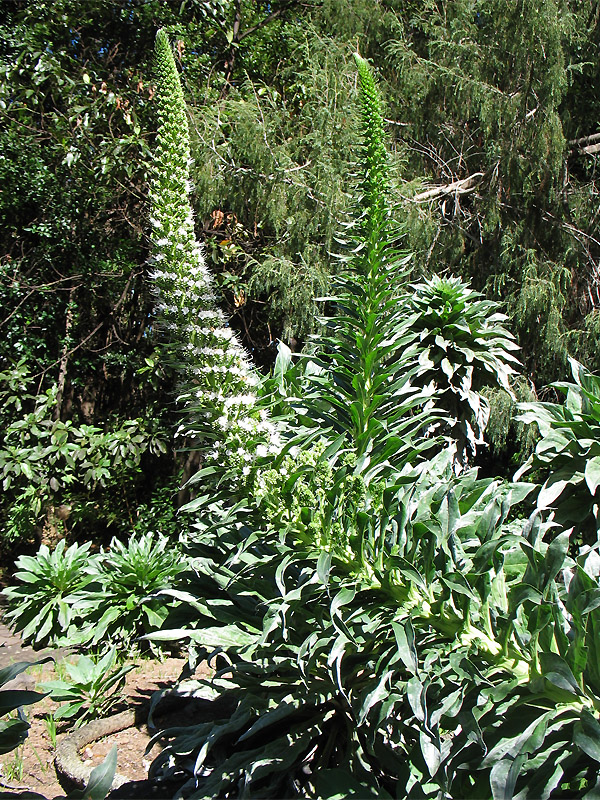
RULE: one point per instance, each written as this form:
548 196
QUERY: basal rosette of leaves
120 604
464 348
217 382
72 597
568 453
90 689
40 605
463 668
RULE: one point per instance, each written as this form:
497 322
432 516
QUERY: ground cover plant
386 624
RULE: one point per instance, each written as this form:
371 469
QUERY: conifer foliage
217 381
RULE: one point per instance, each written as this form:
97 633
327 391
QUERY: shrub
47 464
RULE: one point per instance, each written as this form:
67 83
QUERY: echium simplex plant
568 454
217 382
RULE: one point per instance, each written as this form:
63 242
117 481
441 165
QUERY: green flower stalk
374 158
367 350
217 381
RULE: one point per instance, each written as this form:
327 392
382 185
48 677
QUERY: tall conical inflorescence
367 348
217 381
375 158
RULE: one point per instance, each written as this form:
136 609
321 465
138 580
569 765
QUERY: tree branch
464 186
269 18
588 145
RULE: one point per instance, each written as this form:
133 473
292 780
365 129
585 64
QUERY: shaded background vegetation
492 110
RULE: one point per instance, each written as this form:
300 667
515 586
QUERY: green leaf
556 555
13 732
381 691
405 638
553 488
228 636
337 784
11 699
431 752
459 583
100 781
324 567
557 671
154 618
8 673
415 692
586 735
503 777
592 474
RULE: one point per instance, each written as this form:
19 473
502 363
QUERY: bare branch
464 186
578 143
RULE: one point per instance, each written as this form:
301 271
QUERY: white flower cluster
217 381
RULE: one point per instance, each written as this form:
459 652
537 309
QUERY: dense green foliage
384 622
390 629
567 457
271 89
71 596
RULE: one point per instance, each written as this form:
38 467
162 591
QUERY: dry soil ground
30 768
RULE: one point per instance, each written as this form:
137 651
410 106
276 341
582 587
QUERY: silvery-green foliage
69 596
120 603
464 348
568 453
463 666
90 689
217 382
41 606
